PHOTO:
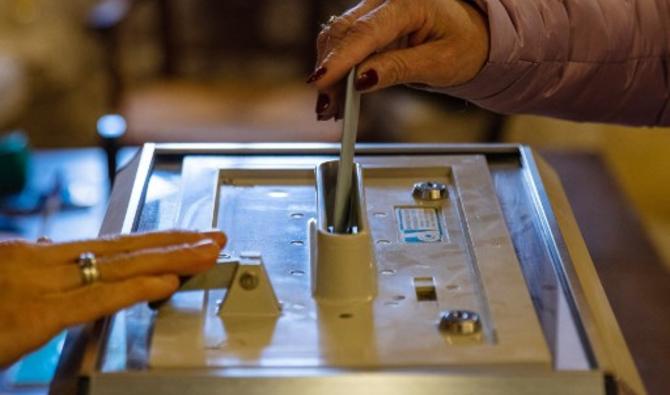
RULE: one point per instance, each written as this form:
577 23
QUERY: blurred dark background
202 70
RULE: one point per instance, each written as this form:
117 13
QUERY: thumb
420 64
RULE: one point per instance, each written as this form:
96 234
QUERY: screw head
460 322
430 190
248 281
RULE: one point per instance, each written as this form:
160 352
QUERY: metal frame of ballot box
111 355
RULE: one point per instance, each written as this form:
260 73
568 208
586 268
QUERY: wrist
479 36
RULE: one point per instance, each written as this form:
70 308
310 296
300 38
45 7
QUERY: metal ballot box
463 272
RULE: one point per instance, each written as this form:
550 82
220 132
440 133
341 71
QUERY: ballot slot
353 216
343 264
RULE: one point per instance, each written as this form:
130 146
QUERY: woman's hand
41 291
431 43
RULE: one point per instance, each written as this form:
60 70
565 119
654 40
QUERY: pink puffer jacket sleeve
586 60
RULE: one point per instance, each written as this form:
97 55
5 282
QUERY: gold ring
88 267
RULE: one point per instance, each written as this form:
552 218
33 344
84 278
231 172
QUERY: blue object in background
14 155
37 368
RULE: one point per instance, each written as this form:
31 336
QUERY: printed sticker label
419 225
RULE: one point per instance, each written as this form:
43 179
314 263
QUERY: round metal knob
430 191
460 322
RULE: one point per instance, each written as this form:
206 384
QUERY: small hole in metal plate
425 289
379 214
345 316
297 273
297 215
398 297
383 242
388 272
297 243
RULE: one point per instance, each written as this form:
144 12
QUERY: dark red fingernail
322 103
316 75
366 80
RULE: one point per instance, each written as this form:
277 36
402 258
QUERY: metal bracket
250 292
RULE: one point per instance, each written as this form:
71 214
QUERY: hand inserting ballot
435 43
47 287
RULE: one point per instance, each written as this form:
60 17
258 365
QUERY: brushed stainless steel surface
562 328
267 209
561 261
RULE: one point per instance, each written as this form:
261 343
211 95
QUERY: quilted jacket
585 60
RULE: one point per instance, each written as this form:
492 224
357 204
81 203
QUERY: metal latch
250 292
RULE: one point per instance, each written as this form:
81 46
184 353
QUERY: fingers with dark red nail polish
316 75
322 103
366 80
